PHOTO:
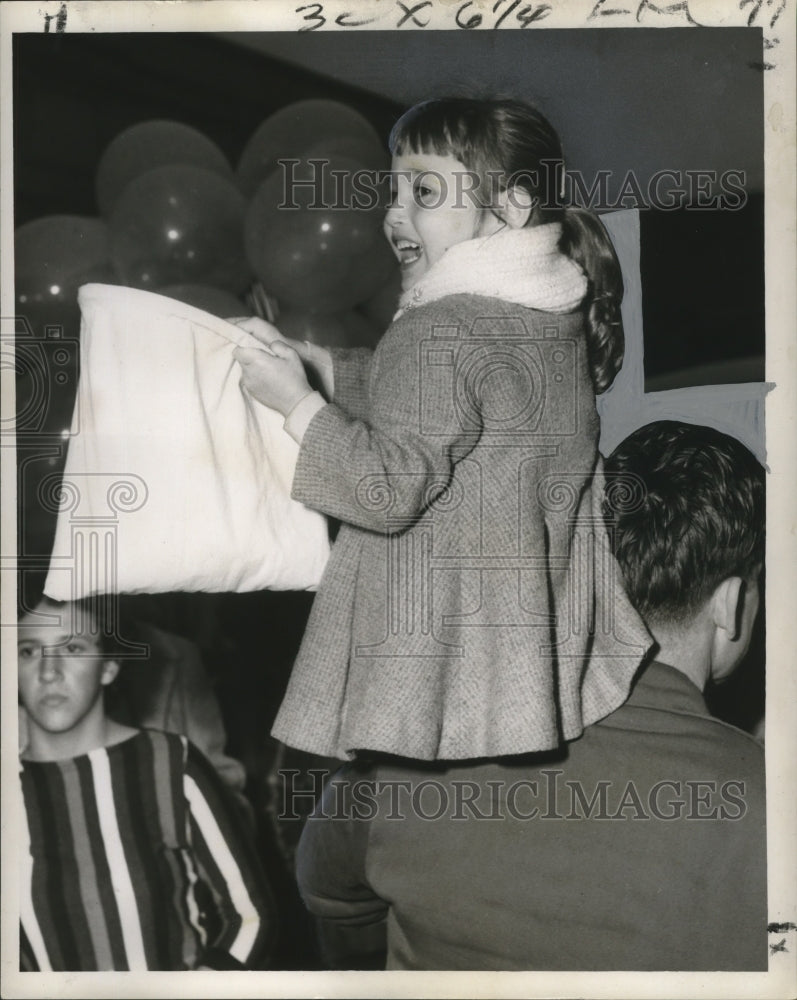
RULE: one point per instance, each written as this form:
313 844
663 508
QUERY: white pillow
175 479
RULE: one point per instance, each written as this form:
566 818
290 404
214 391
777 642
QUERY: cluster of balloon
147 146
179 224
349 329
215 301
174 211
313 174
171 214
175 219
53 257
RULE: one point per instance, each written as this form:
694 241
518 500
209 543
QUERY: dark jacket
640 846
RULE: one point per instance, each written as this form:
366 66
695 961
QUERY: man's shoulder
683 739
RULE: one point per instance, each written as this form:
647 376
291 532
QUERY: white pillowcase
175 479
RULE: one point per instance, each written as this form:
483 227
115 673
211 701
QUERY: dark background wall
620 99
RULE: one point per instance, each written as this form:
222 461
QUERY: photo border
777 19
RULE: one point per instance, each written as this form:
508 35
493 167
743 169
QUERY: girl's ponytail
585 240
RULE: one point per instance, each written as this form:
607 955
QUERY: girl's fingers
260 329
281 349
249 355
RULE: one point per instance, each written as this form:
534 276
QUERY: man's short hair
690 514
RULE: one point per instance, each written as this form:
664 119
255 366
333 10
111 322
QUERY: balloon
180 225
353 148
381 306
53 257
215 301
360 330
326 126
307 242
345 330
148 145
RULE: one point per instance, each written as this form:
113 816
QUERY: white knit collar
517 265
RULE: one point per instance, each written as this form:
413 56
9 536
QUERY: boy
133 858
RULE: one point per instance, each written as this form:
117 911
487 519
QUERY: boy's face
61 669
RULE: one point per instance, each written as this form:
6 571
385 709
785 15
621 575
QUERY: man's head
692 547
64 665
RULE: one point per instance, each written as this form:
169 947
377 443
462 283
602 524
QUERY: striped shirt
136 860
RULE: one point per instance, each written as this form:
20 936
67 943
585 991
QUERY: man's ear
731 637
725 606
110 669
515 207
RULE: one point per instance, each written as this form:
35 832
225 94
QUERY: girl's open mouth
407 251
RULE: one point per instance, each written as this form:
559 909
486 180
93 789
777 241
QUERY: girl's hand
317 358
261 330
275 376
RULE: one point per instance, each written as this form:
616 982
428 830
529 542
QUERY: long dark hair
585 240
509 143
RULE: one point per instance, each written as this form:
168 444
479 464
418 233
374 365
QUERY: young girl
470 607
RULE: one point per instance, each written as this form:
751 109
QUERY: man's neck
686 651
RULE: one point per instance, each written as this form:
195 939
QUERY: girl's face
434 205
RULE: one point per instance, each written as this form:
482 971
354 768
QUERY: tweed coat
470 606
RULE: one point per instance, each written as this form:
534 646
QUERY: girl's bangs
429 128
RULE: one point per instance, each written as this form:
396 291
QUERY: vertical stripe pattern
117 861
87 873
32 942
249 919
137 860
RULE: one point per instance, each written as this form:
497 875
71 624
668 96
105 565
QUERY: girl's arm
382 472
351 370
244 906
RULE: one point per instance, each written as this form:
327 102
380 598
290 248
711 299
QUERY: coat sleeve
239 909
351 368
331 872
383 472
